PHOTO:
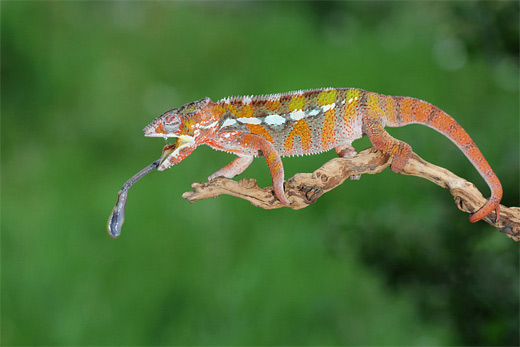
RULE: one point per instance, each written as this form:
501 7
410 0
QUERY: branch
304 189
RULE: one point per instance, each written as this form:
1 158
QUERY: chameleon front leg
382 140
345 150
247 146
236 167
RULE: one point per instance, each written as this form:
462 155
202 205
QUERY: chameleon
309 122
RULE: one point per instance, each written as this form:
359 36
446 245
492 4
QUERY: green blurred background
387 260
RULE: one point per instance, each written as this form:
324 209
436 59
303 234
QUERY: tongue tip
114 224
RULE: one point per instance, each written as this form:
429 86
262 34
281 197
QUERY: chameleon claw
285 201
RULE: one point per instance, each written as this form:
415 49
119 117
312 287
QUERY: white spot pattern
274 119
229 122
328 107
250 120
297 115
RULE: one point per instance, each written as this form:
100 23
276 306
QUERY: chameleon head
179 123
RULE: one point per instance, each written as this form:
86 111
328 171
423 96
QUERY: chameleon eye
171 124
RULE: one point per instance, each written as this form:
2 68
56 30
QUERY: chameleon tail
410 110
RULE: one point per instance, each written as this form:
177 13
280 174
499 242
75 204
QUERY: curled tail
410 111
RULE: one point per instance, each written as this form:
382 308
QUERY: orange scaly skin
309 122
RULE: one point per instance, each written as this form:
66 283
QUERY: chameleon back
296 123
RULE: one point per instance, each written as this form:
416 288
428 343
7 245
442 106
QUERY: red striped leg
382 140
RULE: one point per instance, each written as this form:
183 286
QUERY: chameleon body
309 122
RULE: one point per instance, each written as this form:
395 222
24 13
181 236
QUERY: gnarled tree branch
304 189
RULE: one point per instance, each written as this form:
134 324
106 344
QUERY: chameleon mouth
170 151
166 152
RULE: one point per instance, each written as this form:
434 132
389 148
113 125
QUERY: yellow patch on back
327 97
374 105
233 110
297 102
272 105
353 96
247 111
219 109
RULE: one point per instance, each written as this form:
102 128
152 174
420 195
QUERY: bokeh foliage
387 260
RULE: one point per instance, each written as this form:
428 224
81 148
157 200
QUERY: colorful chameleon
308 122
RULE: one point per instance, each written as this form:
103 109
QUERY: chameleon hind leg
382 140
